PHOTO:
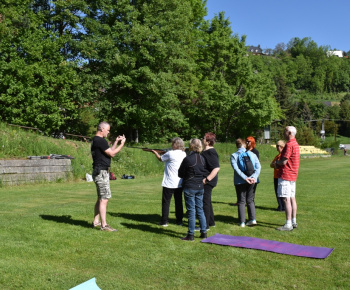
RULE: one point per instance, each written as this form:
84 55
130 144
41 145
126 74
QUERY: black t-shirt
256 152
100 159
212 160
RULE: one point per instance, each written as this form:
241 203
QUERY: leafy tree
305 135
306 47
280 49
268 51
38 86
341 81
304 72
345 115
332 112
141 55
233 100
155 69
305 113
285 99
318 109
328 127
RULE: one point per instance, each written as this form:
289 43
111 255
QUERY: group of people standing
196 174
286 167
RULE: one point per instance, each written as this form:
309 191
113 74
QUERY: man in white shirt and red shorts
287 176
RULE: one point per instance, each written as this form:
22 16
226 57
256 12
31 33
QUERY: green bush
330 144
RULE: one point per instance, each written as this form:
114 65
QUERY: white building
338 53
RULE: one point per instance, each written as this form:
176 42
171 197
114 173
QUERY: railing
80 137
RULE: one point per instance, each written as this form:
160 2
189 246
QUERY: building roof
254 49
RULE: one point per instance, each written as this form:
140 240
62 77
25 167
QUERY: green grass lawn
47 242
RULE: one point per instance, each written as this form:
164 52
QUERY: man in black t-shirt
101 155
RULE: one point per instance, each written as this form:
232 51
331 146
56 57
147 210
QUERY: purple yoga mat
270 246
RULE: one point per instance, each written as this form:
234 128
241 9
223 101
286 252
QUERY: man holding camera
101 155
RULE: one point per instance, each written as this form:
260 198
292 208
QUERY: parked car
341 146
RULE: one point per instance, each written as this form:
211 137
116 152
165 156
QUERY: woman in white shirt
171 182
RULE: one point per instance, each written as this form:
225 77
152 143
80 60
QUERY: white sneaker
242 225
251 223
285 228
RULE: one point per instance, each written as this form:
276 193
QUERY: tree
233 100
306 135
306 47
332 112
280 49
268 51
141 55
304 72
39 87
345 115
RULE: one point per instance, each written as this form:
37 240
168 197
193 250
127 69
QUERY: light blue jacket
239 176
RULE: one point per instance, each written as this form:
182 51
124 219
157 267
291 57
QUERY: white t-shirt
173 160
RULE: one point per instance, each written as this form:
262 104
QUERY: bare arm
273 163
112 151
212 174
157 155
283 161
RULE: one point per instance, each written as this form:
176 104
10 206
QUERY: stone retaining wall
13 172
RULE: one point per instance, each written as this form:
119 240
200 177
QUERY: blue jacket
239 176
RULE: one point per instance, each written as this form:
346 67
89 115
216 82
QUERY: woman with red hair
251 145
250 141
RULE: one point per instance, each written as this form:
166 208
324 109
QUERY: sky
270 22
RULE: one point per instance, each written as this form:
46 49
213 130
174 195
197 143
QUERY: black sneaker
188 238
203 236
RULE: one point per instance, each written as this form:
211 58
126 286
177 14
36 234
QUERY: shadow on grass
221 202
233 220
226 219
148 218
256 206
66 219
228 203
265 208
155 229
269 225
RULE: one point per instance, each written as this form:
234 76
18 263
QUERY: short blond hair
196 145
240 143
281 143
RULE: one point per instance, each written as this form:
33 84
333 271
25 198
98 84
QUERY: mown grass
47 242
